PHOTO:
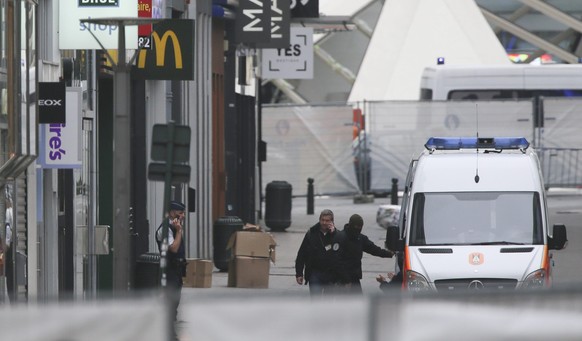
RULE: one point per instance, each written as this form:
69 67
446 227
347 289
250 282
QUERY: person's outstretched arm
369 247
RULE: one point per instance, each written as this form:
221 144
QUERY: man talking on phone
175 253
317 262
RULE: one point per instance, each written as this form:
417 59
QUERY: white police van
509 82
474 216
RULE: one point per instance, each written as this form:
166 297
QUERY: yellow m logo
160 46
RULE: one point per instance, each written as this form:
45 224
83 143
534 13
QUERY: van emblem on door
476 285
476 258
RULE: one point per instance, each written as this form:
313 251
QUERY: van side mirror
559 238
393 241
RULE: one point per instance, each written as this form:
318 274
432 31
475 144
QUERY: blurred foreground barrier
390 316
143 319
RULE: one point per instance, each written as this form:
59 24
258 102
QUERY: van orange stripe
546 265
406 266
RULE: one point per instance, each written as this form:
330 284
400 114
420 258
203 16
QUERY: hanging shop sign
51 102
172 54
144 32
74 35
293 62
60 143
280 25
253 22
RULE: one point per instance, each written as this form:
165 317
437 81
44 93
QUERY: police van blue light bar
453 143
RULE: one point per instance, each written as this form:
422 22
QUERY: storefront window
3 87
29 56
18 61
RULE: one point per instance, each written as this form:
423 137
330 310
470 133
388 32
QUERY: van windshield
470 218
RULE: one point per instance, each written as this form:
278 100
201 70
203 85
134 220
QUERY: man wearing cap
175 254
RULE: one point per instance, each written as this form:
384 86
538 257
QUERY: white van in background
474 217
489 82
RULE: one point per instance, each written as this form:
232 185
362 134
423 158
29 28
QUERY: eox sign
172 54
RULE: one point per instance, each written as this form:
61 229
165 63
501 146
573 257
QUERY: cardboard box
198 273
197 282
252 244
248 272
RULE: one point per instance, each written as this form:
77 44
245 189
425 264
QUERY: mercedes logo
476 285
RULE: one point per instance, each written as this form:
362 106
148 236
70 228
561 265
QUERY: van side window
417 236
485 95
482 95
538 236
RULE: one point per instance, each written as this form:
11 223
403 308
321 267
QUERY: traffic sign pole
171 144
167 194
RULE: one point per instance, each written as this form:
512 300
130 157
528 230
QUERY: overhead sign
74 35
293 62
51 102
280 25
98 3
252 22
172 53
60 144
304 8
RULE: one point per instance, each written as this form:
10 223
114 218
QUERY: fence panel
316 141
309 142
399 130
559 151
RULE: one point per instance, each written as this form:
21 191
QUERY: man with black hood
352 249
317 262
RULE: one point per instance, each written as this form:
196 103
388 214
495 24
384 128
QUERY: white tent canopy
412 34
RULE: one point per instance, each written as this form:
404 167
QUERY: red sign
144 32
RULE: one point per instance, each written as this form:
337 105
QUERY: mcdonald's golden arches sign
172 54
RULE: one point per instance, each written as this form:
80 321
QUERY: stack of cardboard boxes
198 273
252 252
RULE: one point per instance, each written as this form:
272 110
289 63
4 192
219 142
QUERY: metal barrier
391 316
317 142
561 166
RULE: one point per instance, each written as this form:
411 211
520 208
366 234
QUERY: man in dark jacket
175 253
354 245
317 262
